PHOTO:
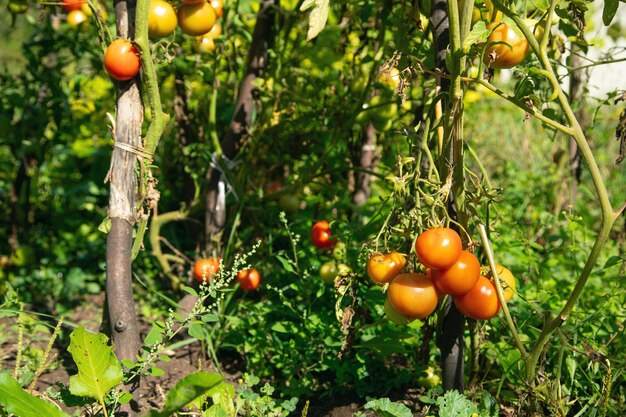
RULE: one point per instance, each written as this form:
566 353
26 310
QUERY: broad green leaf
187 390
386 408
609 11
318 16
16 401
98 368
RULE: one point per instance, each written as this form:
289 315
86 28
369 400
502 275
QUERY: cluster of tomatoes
448 269
195 17
205 269
322 238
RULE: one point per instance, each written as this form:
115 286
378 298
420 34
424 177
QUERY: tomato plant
121 60
460 277
413 295
481 302
204 269
382 268
196 19
510 48
162 20
321 235
438 248
249 279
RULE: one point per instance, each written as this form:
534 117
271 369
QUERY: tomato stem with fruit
608 215
496 279
158 117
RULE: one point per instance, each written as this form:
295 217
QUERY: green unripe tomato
344 269
328 272
290 203
339 251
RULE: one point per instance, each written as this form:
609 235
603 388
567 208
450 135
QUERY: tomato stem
496 279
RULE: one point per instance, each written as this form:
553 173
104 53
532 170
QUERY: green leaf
16 401
454 404
186 390
609 11
318 16
479 33
385 408
98 368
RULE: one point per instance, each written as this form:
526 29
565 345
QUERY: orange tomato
479 303
413 295
393 316
438 248
121 60
382 268
204 269
249 279
511 49
460 277
218 6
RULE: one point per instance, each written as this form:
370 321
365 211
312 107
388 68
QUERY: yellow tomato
162 19
390 77
196 19
218 6
507 280
204 44
76 17
510 48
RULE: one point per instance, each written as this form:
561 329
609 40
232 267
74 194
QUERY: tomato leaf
99 370
15 400
479 34
317 18
609 11
453 404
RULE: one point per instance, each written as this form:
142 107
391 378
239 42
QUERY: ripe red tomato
249 279
162 20
481 302
438 248
508 54
70 5
460 277
204 269
382 268
197 18
218 6
121 60
321 235
413 295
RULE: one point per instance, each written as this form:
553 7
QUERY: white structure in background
605 78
